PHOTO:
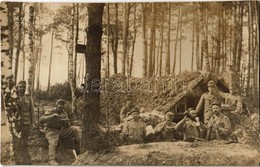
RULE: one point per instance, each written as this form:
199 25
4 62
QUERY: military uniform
58 127
167 131
125 112
232 102
134 132
26 115
223 132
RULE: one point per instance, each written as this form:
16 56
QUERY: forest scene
103 62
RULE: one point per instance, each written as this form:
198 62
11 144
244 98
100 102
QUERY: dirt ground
176 153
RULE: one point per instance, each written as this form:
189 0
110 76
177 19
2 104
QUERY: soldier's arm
125 130
158 128
226 130
47 116
123 113
201 103
181 124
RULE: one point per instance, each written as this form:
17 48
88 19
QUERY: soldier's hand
55 115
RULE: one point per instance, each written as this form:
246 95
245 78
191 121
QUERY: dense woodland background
221 37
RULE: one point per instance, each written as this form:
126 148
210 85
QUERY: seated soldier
219 126
191 128
125 111
166 130
134 131
57 126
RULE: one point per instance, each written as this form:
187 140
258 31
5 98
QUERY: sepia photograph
130 83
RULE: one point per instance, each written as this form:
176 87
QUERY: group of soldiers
215 105
57 124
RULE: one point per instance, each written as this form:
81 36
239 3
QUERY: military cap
22 82
216 102
60 101
211 83
169 114
135 109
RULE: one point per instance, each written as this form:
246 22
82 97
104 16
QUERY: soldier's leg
25 132
74 133
53 137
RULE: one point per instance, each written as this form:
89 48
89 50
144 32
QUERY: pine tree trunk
235 40
180 41
50 64
91 110
125 59
198 45
133 43
168 53
108 41
145 49
193 36
161 50
176 39
151 48
249 49
114 39
240 35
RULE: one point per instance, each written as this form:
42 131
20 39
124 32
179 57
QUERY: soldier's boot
52 154
77 147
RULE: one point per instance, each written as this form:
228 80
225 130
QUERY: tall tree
152 44
145 47
114 39
134 38
91 112
32 52
168 55
176 38
125 59
18 49
108 40
9 93
50 64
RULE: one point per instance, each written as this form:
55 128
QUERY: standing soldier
26 114
57 126
206 100
232 102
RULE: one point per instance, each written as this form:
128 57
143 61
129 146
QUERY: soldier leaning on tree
26 122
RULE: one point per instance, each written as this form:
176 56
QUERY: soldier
125 111
232 102
166 129
219 126
191 128
27 121
206 100
134 131
57 126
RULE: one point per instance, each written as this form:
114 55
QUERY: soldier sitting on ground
126 111
57 125
134 131
165 131
219 126
192 129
